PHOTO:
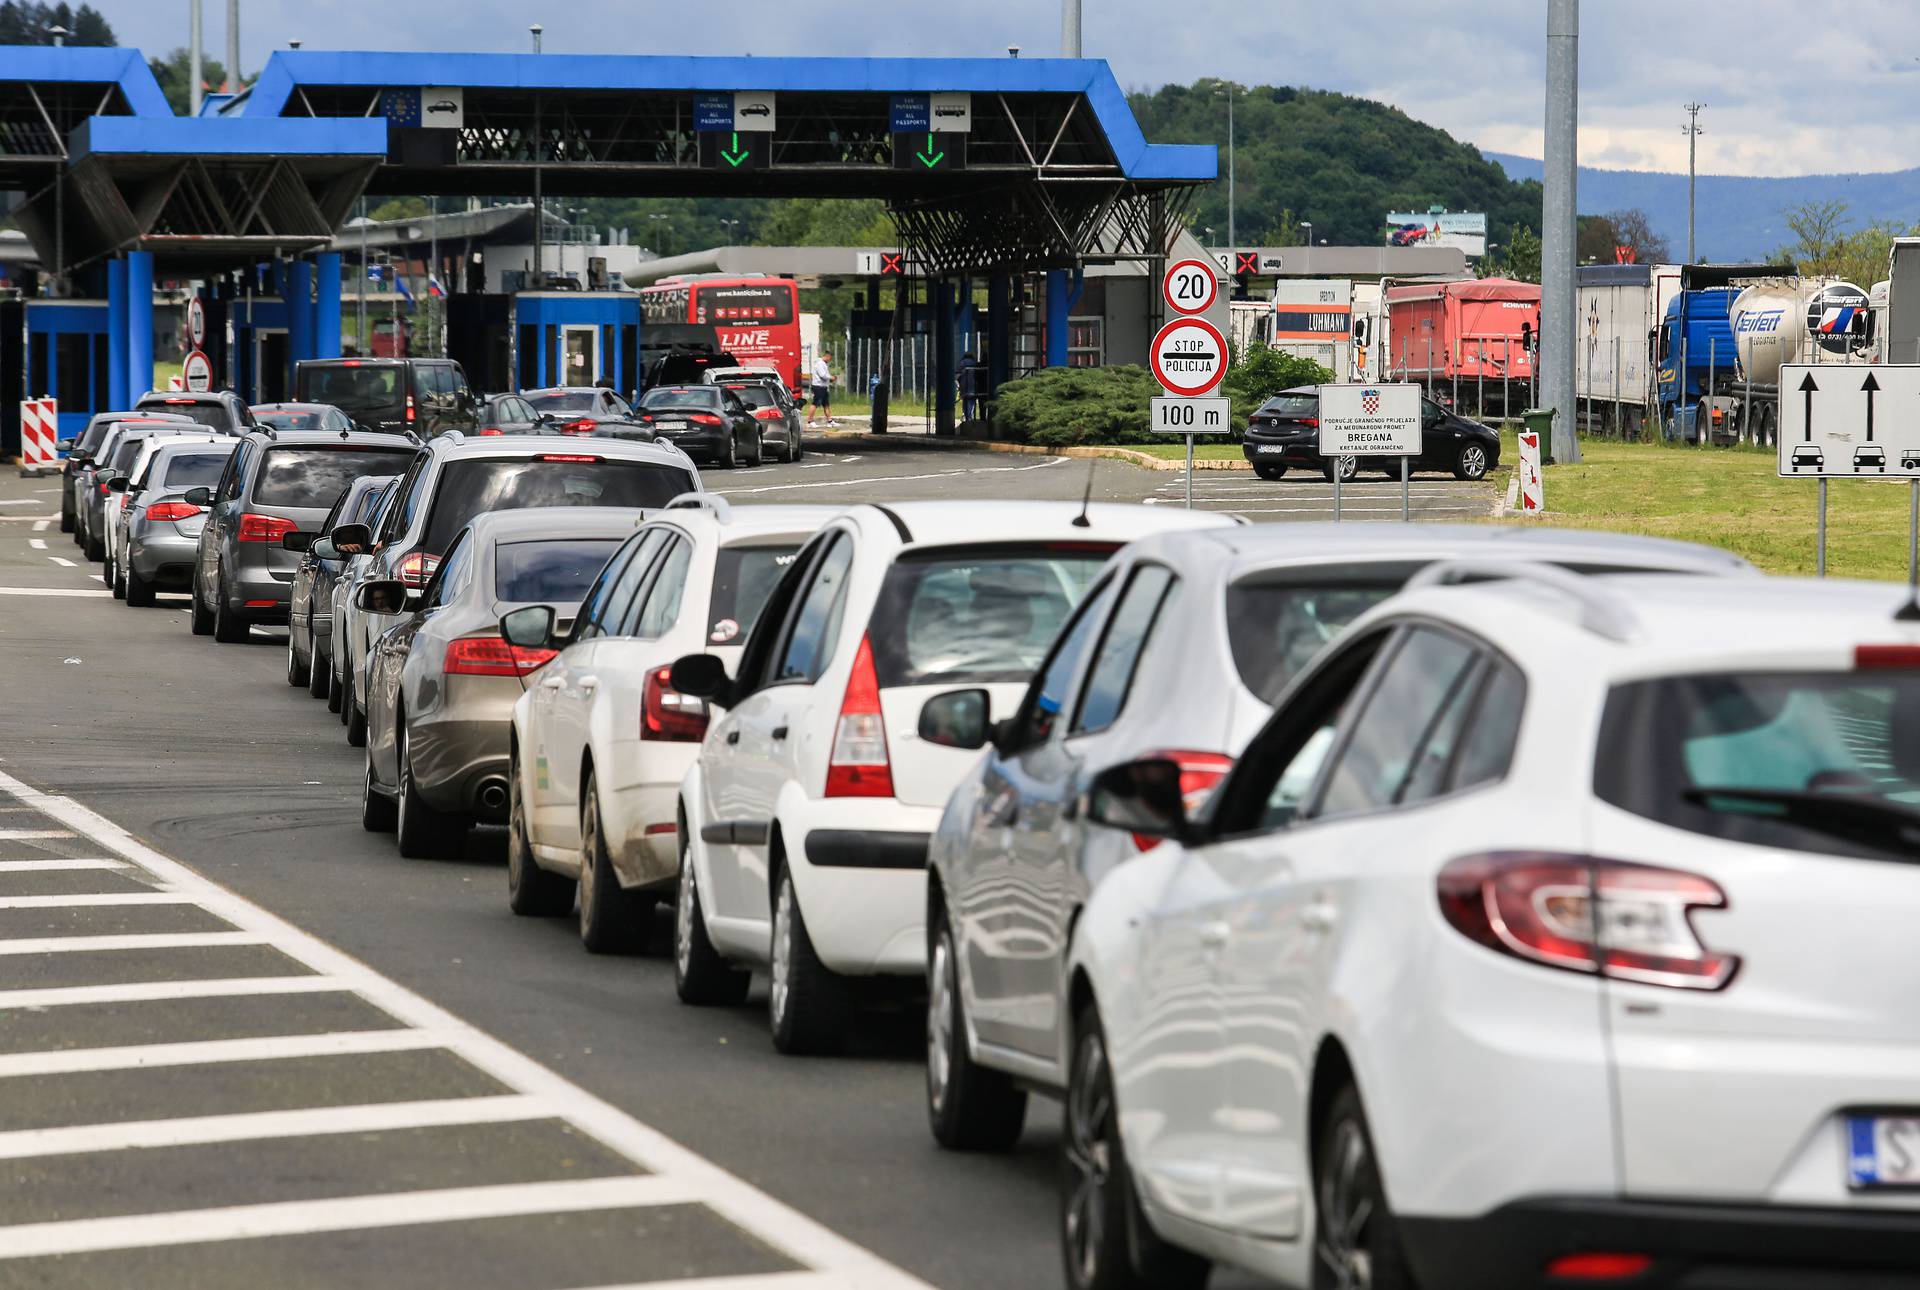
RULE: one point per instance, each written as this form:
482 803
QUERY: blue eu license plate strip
1883 1151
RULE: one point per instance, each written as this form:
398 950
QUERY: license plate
1270 447
669 425
1883 1150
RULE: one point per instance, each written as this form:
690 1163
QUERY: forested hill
1338 162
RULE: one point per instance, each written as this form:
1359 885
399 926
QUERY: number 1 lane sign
1189 356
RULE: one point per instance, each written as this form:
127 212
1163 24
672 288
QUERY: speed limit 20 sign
1190 286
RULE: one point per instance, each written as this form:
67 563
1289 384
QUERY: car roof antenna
1081 521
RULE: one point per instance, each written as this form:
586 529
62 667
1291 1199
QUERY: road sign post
1370 420
1834 425
1189 357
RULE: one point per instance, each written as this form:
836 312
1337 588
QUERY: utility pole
1232 236
233 47
1559 235
194 42
1692 130
1069 28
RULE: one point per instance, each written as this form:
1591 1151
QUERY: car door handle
733 736
1214 936
589 683
553 683
779 733
1320 916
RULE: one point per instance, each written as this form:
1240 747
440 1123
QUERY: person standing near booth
822 389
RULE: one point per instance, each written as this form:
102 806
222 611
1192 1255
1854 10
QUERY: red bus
757 319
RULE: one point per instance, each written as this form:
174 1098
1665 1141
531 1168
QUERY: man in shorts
822 389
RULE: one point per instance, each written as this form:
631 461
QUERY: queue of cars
1386 906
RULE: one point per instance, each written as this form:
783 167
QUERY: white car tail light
858 765
1628 922
668 715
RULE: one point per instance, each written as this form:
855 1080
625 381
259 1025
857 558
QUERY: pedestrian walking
822 389
969 387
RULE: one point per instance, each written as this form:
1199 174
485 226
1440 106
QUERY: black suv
220 410
276 483
1285 432
428 396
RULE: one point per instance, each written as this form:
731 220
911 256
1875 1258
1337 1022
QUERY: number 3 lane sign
1189 357
1190 287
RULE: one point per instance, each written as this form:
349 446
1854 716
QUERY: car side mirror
956 719
529 627
63 445
382 596
352 535
198 497
118 484
702 675
323 548
1141 797
297 541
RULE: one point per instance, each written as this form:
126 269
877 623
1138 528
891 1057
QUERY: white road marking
38 544
752 1281
68 564
24 835
96 900
307 1122
202 1052
1350 509
348 1213
894 479
153 991
27 501
127 941
53 591
41 526
678 1175
816 465
42 866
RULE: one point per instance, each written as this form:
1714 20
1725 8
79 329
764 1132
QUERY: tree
1522 259
172 73
23 22
1817 227
1634 230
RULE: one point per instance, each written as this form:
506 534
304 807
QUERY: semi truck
1619 308
1901 340
1474 338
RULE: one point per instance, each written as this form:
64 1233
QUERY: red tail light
173 511
705 419
766 414
667 714
858 766
492 656
265 528
417 570
1598 1266
104 490
1312 423
409 407
1874 657
1627 922
1199 773
491 430
585 425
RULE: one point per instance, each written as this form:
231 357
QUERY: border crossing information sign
1378 419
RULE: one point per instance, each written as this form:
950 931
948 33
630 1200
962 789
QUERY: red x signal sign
1246 262
890 263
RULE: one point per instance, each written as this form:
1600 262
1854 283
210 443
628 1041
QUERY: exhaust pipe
493 795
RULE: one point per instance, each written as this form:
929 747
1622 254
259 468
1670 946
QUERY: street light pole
193 56
1069 28
1558 234
1692 130
1228 88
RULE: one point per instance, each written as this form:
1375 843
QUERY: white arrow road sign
1850 421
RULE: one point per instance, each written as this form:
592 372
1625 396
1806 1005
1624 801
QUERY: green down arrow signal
930 158
738 154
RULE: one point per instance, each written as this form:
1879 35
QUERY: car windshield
468 488
688 397
565 400
980 613
555 571
754 396
352 389
1813 761
1274 627
313 475
194 469
743 578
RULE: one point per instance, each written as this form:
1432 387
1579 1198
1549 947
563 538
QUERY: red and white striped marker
39 430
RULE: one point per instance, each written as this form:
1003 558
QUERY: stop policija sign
1188 356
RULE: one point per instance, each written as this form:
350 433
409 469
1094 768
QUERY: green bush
1263 372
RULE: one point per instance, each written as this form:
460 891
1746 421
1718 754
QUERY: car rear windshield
207 414
754 396
304 419
353 389
565 401
1291 405
315 474
978 614
743 578
553 571
468 488
90 437
1274 627
1812 761
690 397
194 470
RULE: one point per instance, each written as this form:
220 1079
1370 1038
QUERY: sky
1791 87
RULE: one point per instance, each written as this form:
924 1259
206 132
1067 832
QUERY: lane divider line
48 866
159 991
201 1130
751 1281
97 900
346 1213
127 941
29 835
206 1052
55 591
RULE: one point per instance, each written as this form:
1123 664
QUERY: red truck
1473 335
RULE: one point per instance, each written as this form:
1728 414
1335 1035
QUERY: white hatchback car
804 824
601 740
1531 943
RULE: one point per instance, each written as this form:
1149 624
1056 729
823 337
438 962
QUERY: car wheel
799 445
378 814
319 673
806 1003
297 672
354 714
422 832
1349 467
731 458
612 919
66 511
96 549
1104 1236
228 627
119 579
700 976
1356 1237
532 892
1267 470
139 590
1472 462
106 574
202 616
336 690
969 1107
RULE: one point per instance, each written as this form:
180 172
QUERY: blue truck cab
1702 317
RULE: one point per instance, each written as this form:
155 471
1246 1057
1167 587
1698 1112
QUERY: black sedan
509 414
1284 433
707 422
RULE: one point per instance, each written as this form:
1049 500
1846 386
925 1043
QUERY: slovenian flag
434 290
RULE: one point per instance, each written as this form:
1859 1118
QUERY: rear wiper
1873 821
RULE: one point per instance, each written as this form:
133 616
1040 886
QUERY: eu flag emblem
400 107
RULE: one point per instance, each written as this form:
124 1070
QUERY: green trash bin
1541 421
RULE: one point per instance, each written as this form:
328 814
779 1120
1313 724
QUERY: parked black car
1284 433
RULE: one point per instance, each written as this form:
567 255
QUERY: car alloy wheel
1356 1243
683 910
970 1107
942 990
1087 1154
1347 466
780 989
1473 462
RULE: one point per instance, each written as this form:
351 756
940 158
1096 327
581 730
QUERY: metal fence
909 360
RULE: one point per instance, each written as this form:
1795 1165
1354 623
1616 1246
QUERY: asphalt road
215 987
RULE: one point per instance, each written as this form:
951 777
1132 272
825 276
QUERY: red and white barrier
39 431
